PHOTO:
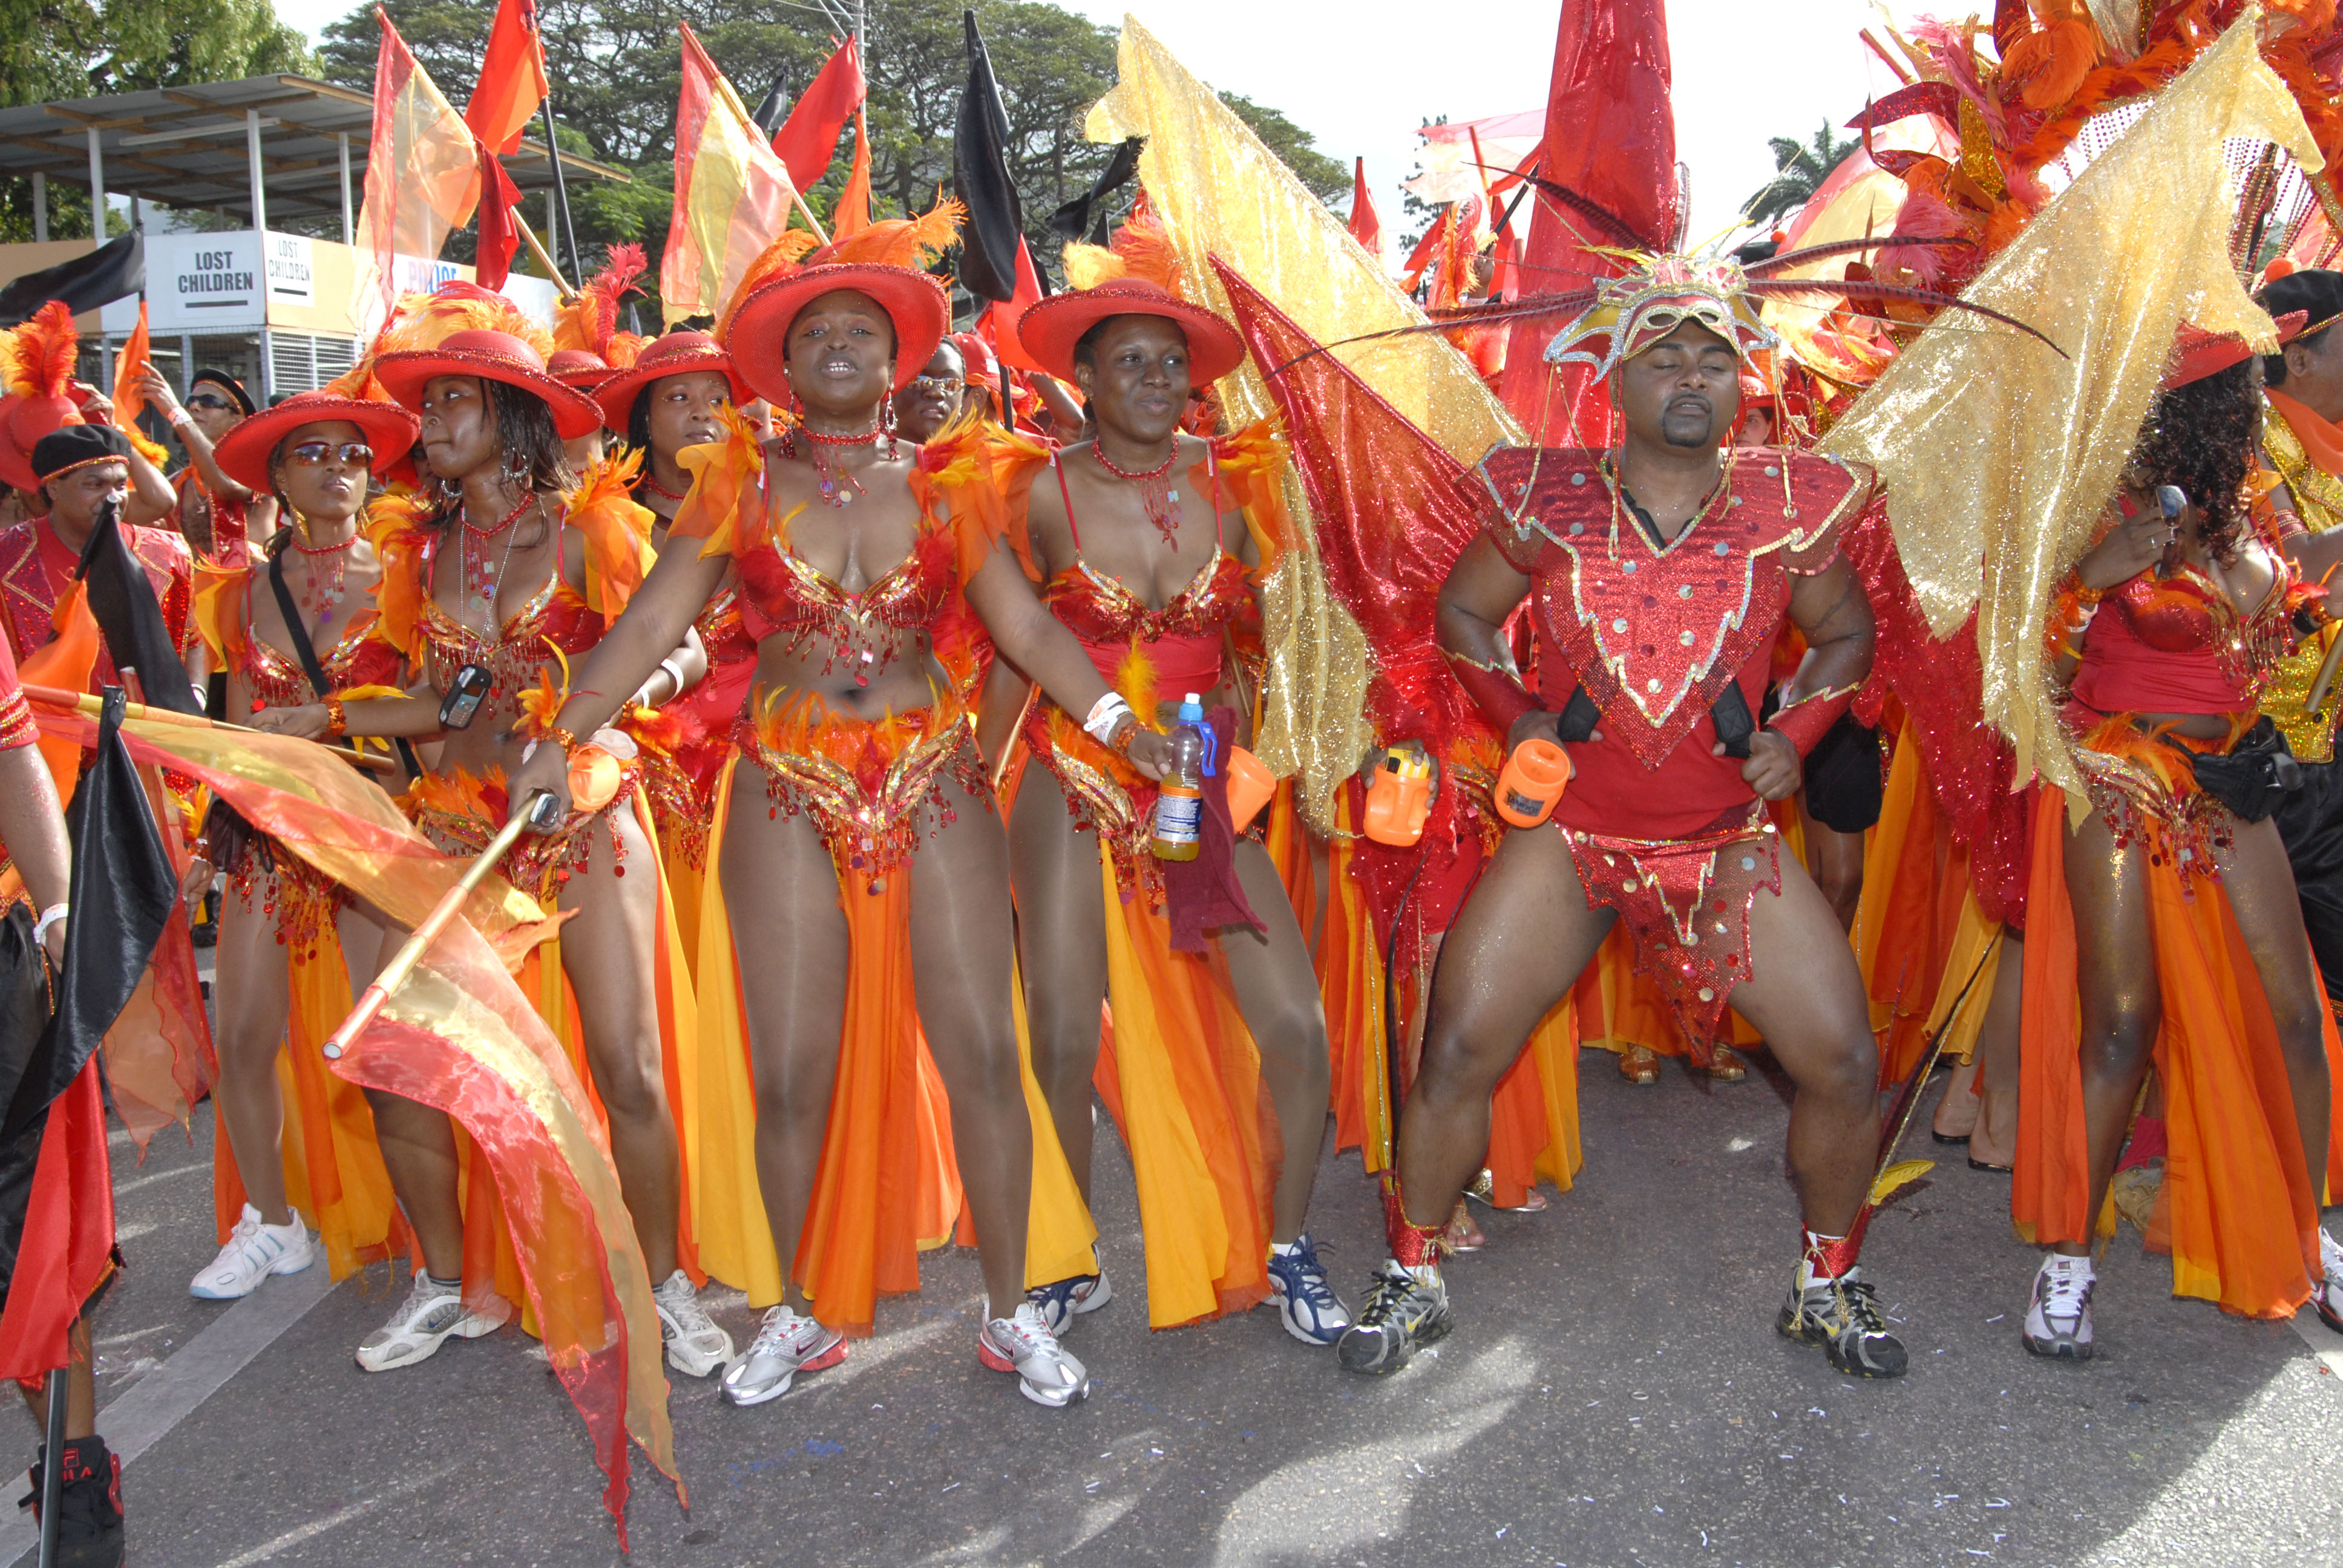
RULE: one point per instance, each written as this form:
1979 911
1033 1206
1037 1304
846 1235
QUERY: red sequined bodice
2176 644
1183 640
1653 633
787 598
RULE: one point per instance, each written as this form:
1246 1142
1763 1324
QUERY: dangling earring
451 490
887 425
517 466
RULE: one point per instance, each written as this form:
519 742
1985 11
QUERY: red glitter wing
1394 513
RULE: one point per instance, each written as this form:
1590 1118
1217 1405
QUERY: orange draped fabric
1351 986
2236 1210
1534 1114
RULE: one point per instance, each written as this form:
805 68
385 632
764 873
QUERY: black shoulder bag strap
307 653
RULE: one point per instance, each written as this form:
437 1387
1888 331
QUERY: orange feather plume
589 320
912 242
45 346
425 321
1141 248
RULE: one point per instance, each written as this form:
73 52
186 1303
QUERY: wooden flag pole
394 974
544 259
82 702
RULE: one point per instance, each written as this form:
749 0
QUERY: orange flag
422 177
853 214
732 194
128 404
512 79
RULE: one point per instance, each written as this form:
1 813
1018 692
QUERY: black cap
62 451
227 384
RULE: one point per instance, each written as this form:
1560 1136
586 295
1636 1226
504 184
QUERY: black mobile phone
465 694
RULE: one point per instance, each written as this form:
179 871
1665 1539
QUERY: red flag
997 325
1366 224
499 236
1611 141
853 214
512 79
808 139
67 1240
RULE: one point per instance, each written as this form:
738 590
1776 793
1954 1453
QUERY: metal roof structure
194 146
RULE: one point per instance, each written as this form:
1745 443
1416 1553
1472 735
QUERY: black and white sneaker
2059 1318
1405 1308
1842 1317
2328 1295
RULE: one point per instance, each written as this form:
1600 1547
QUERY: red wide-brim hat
2197 353
758 336
579 367
492 356
677 353
245 451
1050 329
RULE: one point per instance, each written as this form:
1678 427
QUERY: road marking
143 1413
136 1182
335 1519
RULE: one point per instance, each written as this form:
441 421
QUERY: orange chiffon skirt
2237 1212
889 1186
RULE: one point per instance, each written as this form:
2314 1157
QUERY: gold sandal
1639 1064
1727 1068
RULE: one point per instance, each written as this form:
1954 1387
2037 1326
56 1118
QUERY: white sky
1360 74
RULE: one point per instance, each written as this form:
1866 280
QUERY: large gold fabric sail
2000 456
1220 192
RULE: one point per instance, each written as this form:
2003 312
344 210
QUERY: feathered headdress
589 320
39 367
425 321
906 242
1141 248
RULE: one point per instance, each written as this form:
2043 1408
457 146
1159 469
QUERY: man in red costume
1659 573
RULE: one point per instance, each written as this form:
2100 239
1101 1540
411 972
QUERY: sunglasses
206 400
315 454
939 383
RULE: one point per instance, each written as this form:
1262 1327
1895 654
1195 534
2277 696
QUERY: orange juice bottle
1179 802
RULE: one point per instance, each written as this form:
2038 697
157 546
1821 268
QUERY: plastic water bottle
1180 803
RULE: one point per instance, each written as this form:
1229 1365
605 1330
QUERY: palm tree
1802 167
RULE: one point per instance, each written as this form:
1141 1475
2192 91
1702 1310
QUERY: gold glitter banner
1999 456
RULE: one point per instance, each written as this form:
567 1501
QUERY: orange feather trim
617 531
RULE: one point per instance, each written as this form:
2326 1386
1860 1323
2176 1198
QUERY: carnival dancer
216 514
2302 443
1661 573
512 571
863 870
2144 914
1142 539
672 398
937 396
292 945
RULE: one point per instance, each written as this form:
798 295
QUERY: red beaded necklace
1161 499
326 581
479 578
826 474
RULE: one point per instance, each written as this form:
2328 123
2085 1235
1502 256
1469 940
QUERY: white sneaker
1023 1344
2059 1318
787 1343
2326 1296
430 1314
254 1251
695 1345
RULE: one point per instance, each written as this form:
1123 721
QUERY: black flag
774 109
996 217
122 601
112 271
1087 213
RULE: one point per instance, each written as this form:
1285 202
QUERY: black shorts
1844 777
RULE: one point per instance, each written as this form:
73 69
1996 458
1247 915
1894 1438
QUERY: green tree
53 49
616 72
1801 168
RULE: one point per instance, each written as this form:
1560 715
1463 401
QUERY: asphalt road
1614 1394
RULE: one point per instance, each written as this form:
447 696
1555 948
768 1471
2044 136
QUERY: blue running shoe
1306 1303
1061 1303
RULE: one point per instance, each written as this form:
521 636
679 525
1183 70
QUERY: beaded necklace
827 474
324 581
479 579
1161 500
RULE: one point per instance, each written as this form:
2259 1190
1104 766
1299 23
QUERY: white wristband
179 417
54 915
1107 715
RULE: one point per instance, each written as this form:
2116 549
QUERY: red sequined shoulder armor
1653 633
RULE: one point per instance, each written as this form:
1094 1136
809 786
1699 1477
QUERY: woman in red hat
495 594
860 891
288 935
676 395
1142 537
2164 924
